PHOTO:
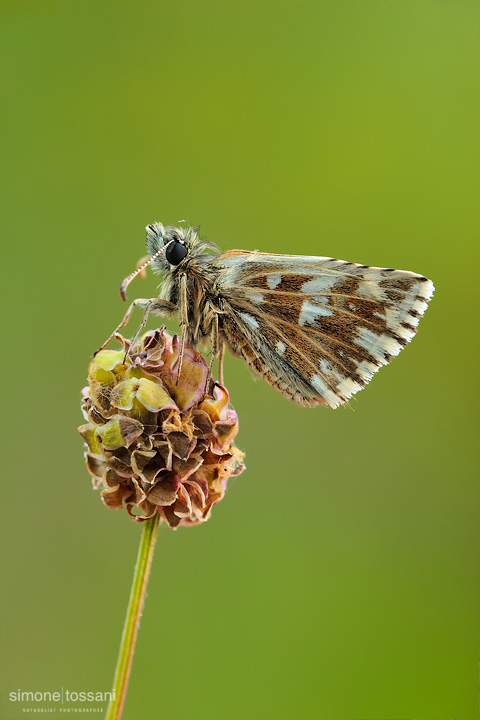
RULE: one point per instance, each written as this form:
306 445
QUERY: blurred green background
340 576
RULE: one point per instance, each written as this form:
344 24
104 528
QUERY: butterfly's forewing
317 328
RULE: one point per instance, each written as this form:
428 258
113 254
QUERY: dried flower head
155 446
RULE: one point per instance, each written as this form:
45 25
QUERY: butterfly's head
176 242
170 248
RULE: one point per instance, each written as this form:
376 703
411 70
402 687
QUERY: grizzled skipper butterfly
315 328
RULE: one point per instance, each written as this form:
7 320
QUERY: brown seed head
154 446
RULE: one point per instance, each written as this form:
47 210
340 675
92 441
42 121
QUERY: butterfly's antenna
125 283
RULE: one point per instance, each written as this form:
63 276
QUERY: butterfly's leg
214 348
183 321
213 354
154 304
221 353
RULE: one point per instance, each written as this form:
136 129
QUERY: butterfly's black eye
175 252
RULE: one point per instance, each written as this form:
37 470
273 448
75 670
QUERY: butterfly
315 328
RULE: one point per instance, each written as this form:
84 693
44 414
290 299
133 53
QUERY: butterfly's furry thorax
197 272
315 328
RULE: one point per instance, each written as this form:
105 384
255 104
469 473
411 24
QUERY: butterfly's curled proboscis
315 328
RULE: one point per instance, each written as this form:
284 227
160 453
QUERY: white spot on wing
325 367
392 347
371 288
404 333
273 281
369 340
377 345
348 387
249 320
427 289
319 285
281 347
366 369
310 311
419 306
323 390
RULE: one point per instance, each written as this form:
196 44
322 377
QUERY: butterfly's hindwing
315 328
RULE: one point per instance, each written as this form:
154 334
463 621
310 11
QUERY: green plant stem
132 620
